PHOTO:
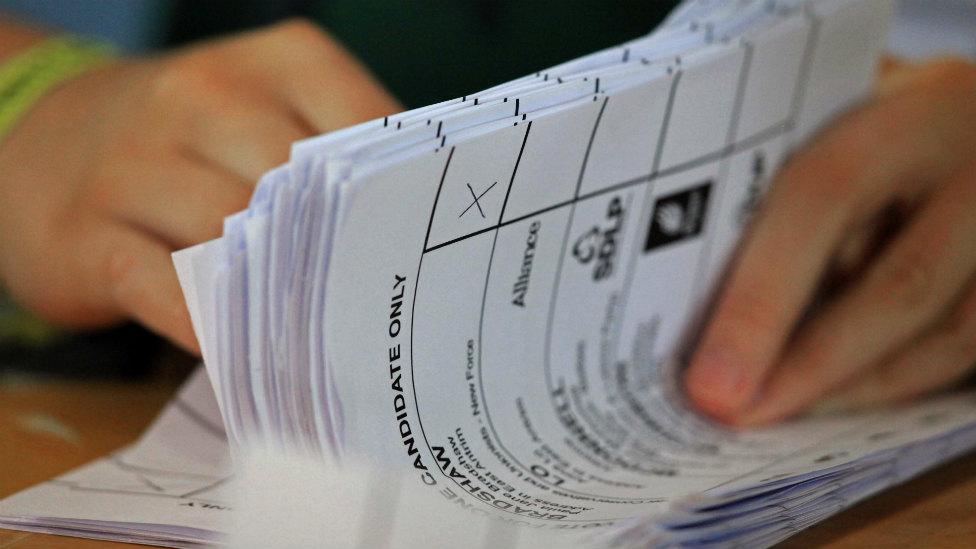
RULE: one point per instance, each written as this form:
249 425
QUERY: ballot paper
172 487
465 323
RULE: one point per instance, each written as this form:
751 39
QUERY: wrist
27 76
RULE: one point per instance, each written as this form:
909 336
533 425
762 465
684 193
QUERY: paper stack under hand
484 302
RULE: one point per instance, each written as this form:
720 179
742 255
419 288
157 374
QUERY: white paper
463 324
169 488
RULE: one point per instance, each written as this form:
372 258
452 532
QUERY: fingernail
718 383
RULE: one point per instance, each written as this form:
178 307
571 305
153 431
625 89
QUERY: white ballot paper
463 324
169 488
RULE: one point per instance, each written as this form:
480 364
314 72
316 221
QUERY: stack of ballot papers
473 315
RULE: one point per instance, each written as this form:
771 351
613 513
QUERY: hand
875 223
115 169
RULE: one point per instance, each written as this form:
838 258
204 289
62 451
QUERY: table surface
48 428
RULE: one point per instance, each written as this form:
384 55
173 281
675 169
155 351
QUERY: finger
861 247
944 356
914 282
142 283
246 139
114 270
896 145
184 204
316 76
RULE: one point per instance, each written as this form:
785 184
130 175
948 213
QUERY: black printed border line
210 427
727 151
758 139
189 496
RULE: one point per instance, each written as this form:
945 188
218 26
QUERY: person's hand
115 169
879 211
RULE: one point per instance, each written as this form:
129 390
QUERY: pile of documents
487 299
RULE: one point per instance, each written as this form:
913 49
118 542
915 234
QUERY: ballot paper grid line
120 463
140 471
755 140
746 144
496 227
724 170
190 496
645 213
198 418
760 138
628 275
491 537
803 81
731 147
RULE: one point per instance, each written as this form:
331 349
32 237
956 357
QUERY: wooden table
48 428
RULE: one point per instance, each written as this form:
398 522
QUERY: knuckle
908 282
101 192
300 29
192 78
169 80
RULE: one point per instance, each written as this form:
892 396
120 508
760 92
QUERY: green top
427 51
